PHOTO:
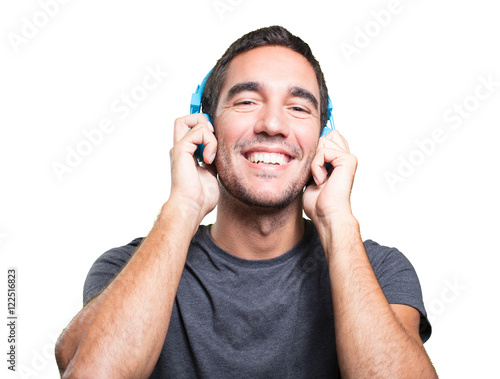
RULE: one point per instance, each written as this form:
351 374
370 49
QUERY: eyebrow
243 87
257 87
304 94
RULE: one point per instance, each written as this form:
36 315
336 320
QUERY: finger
210 167
182 125
319 165
323 156
336 137
200 134
336 145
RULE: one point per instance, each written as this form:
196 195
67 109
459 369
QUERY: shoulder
398 279
122 252
392 268
384 258
117 257
106 267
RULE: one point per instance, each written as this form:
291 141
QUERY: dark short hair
269 36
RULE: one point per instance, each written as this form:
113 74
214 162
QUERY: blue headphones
195 107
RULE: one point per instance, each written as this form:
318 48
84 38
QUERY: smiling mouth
265 158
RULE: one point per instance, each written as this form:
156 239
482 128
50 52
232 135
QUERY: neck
251 232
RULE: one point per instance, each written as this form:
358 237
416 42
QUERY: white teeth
267 158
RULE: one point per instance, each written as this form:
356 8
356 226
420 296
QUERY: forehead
275 67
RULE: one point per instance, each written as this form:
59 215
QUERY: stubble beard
232 184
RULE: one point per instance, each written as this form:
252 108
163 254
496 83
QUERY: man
262 293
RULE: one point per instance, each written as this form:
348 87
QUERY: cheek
230 130
308 141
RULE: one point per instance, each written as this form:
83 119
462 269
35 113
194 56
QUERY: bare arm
374 339
130 317
120 333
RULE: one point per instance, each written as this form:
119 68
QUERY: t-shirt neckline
295 251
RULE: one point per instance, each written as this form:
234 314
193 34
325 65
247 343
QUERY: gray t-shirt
268 318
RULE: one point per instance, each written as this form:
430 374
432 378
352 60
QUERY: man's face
268 125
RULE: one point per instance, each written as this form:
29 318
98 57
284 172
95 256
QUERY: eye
245 105
244 102
300 109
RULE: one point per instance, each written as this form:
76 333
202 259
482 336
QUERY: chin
265 190
262 198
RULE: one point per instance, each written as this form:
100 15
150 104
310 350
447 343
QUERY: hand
194 185
330 193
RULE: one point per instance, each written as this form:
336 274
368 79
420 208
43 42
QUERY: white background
392 91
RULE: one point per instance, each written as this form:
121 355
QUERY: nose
272 121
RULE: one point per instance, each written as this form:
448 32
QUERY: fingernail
211 159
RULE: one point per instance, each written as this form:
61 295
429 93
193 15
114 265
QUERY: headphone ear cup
195 107
330 125
198 154
199 150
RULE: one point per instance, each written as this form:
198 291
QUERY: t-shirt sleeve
106 267
398 281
